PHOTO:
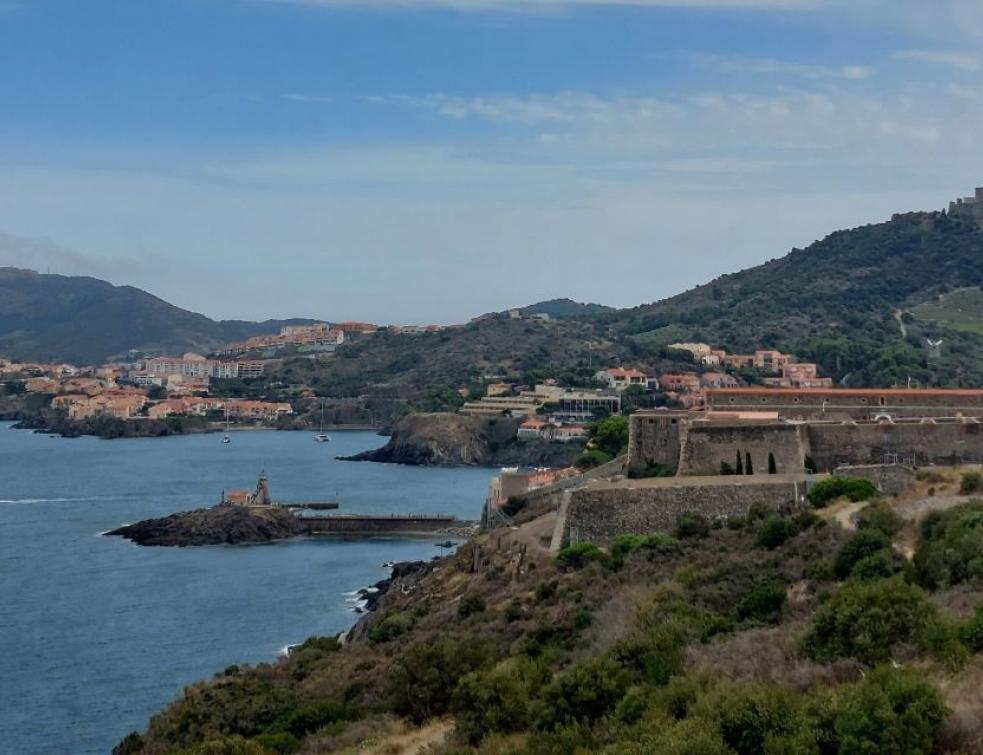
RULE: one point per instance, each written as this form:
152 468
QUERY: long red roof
975 392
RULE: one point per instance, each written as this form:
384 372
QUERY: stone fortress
968 207
781 430
786 438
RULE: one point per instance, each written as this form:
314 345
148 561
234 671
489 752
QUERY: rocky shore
219 525
57 423
456 439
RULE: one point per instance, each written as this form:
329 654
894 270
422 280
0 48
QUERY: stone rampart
601 512
708 444
944 443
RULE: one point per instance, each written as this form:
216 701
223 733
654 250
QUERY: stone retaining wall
599 514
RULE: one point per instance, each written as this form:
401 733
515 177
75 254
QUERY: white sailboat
322 437
226 438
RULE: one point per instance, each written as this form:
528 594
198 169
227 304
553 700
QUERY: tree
611 435
748 466
772 466
739 467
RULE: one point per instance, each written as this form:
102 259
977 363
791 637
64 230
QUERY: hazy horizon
417 161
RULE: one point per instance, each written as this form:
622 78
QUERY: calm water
96 633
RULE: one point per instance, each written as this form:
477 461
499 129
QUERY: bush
890 711
880 516
583 694
501 699
971 482
578 555
624 545
863 544
867 620
880 565
750 716
424 676
470 604
972 632
692 525
593 457
763 603
393 625
775 531
951 550
853 488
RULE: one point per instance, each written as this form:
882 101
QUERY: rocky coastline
219 525
447 439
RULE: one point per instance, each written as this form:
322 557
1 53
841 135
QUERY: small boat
322 437
226 438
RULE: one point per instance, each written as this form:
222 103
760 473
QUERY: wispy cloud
541 5
962 61
770 66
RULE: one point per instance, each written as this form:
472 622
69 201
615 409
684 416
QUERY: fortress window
764 400
651 421
731 399
795 400
863 401
883 401
674 422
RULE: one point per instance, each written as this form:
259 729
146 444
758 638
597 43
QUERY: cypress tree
772 466
748 466
740 463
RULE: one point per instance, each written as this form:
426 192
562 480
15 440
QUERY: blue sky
429 160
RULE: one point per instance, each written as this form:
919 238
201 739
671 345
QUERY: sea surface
97 634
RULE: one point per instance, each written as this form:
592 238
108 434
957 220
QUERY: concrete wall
708 444
598 514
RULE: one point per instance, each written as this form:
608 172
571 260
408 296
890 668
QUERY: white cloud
770 66
962 61
537 6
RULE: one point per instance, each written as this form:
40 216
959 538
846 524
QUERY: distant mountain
85 320
561 309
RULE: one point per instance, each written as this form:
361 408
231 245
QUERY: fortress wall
942 443
599 515
709 444
890 479
655 439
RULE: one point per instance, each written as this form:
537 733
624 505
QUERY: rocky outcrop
57 423
456 439
215 526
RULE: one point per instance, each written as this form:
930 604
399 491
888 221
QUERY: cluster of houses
304 339
121 390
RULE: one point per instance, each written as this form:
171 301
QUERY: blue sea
97 634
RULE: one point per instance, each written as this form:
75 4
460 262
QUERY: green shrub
972 632
278 741
692 525
853 488
422 680
880 516
578 555
514 505
867 620
583 694
393 625
951 549
546 590
775 531
501 699
890 711
321 644
748 717
470 604
763 603
971 482
624 545
879 565
863 544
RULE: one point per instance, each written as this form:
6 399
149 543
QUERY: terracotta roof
974 392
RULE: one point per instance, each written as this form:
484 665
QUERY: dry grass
767 655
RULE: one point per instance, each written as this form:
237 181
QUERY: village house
718 380
513 482
620 379
545 429
680 382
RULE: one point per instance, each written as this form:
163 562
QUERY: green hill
84 320
842 302
561 309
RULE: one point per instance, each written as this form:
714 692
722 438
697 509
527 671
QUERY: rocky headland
456 439
219 525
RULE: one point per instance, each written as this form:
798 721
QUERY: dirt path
412 742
